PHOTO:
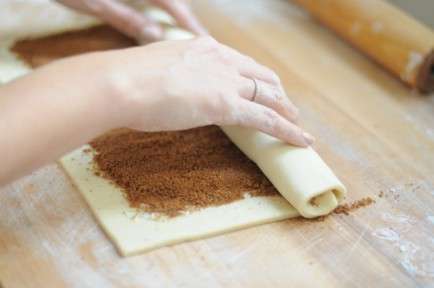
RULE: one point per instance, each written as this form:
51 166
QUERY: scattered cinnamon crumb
319 219
381 194
349 207
313 202
341 209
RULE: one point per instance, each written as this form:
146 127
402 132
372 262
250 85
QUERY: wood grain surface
377 135
398 42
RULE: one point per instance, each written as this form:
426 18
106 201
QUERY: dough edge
135 232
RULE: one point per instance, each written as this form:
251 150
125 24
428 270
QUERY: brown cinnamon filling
349 207
40 51
171 172
168 172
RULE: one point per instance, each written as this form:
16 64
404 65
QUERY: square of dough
134 231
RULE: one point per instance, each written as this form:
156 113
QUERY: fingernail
152 32
202 31
308 138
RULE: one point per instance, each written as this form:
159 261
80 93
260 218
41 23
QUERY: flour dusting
386 234
395 232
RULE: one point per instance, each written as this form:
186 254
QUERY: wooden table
376 135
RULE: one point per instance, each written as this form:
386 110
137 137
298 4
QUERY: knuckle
299 134
272 119
223 54
274 75
226 107
223 57
249 60
290 107
278 97
253 63
274 97
206 40
204 45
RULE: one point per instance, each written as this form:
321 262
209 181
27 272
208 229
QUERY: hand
135 24
176 85
170 85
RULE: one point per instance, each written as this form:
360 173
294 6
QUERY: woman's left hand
133 23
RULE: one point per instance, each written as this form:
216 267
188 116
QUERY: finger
272 96
248 67
130 22
182 14
267 120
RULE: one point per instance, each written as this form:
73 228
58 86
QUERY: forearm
171 85
50 112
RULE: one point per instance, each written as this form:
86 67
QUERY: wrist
109 89
96 98
130 92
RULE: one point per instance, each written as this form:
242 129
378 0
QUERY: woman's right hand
177 85
172 85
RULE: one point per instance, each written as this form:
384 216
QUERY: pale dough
298 174
134 232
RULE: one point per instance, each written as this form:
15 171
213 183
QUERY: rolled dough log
298 174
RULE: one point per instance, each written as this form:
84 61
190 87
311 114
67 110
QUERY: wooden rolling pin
392 38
